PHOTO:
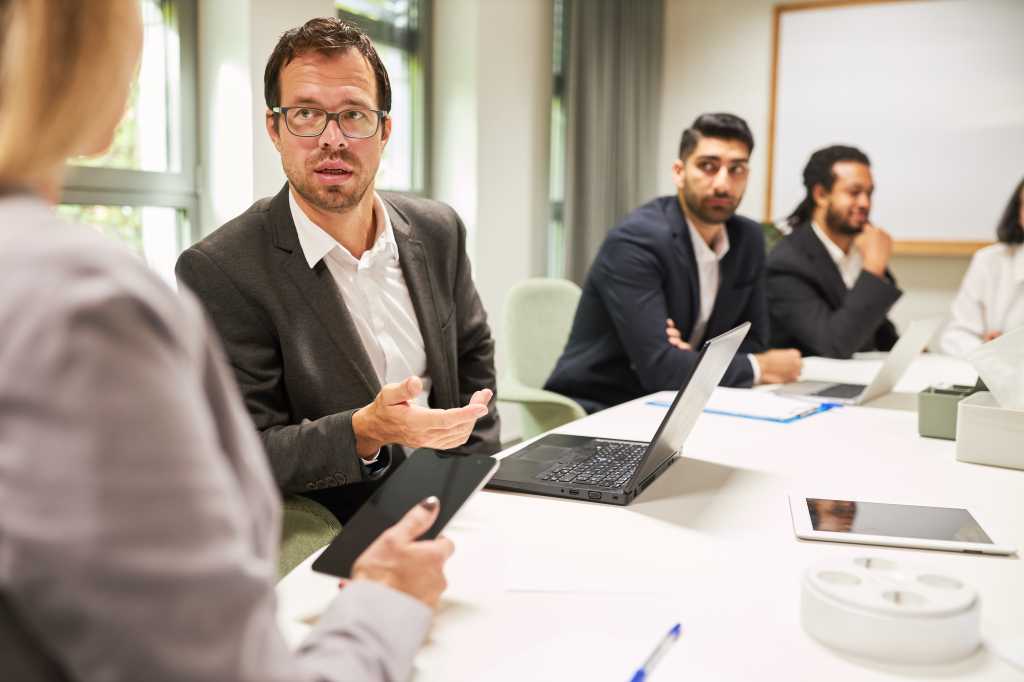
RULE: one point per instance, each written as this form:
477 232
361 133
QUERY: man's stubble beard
320 198
836 223
692 202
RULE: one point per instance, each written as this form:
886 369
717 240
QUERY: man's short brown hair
326 35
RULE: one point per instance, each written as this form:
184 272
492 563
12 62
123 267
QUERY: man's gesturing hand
392 417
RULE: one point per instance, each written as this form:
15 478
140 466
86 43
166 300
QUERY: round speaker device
890 611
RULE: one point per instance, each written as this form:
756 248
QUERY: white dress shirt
848 264
708 277
991 298
376 295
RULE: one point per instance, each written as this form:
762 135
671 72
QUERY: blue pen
668 640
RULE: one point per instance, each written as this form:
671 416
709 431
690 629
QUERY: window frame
557 237
87 185
416 43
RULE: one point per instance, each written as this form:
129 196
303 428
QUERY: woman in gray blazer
139 519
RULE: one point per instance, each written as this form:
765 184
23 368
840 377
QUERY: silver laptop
909 346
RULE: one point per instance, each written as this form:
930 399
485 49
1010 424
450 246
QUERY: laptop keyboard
609 467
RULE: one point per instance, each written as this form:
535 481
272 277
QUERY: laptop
610 471
909 346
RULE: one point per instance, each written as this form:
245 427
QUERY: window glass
156 233
148 137
141 192
395 26
396 166
556 228
395 12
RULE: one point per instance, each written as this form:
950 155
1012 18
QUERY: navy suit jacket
645 273
814 312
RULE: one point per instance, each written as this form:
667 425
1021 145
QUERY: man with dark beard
350 317
829 286
685 262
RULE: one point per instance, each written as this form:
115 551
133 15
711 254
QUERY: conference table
553 589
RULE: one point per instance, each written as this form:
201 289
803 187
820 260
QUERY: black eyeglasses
357 124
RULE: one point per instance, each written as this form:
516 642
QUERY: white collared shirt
708 274
848 264
376 295
709 277
991 299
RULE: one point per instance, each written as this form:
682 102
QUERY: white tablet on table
871 522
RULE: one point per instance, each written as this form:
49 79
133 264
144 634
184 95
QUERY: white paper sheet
758 404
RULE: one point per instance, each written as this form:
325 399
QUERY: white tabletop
552 589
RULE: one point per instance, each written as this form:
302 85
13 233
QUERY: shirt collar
703 252
836 253
316 243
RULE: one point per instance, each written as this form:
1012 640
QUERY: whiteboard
931 90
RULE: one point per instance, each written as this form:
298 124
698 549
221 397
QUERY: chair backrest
538 317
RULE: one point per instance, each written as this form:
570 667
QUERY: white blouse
991 298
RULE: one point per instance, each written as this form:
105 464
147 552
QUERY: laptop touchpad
545 454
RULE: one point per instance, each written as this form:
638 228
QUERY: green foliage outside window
123 152
123 223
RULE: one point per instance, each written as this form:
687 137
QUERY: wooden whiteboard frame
901 247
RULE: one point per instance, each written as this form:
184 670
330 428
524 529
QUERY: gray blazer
296 353
139 520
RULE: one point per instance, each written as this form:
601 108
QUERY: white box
989 434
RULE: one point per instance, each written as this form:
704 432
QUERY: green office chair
306 526
538 317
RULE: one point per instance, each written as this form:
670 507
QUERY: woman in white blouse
991 297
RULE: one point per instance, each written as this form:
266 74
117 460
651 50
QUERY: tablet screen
894 520
452 478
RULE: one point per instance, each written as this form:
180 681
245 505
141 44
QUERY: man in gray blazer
350 317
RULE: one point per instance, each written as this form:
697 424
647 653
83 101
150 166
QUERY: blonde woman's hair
61 63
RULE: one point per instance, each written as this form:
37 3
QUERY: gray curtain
613 77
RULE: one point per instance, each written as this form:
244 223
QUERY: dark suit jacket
813 311
644 273
296 353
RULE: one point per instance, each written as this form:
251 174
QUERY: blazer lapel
415 266
823 266
686 258
320 291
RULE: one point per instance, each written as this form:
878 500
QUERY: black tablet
452 478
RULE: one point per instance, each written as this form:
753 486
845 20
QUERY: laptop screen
690 401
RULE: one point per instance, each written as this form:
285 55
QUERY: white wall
491 121
225 103
718 58
455 114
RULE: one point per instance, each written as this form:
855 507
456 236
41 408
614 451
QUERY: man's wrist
367 447
876 268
